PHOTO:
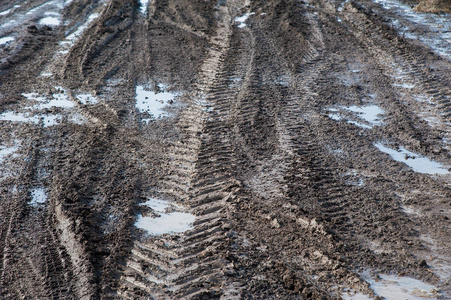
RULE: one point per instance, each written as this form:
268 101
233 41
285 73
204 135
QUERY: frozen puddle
369 114
143 6
38 196
417 162
433 31
242 20
152 103
6 40
170 218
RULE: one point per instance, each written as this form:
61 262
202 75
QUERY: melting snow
242 20
6 39
438 35
38 196
416 162
394 287
87 99
5 12
51 21
6 152
47 120
151 102
143 7
72 38
171 218
369 113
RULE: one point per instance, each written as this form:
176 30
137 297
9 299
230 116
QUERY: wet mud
224 150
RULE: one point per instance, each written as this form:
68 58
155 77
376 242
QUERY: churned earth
231 149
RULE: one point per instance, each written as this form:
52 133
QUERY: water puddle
242 20
415 161
168 218
368 114
152 103
5 40
38 196
143 6
433 30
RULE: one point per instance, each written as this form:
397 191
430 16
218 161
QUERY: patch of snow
87 99
404 85
434 28
6 39
143 6
355 296
8 24
151 102
50 21
38 196
46 74
417 162
34 97
5 12
369 113
73 37
6 151
242 20
47 120
170 219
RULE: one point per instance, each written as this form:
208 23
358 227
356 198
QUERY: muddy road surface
231 149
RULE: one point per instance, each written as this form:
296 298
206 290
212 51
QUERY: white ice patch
242 20
394 287
369 113
417 162
38 196
143 7
6 39
47 120
171 218
50 21
434 30
151 102
87 99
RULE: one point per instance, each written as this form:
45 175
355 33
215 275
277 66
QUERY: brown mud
292 197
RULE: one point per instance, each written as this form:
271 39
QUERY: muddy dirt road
231 149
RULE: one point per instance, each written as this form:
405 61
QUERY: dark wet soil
291 202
